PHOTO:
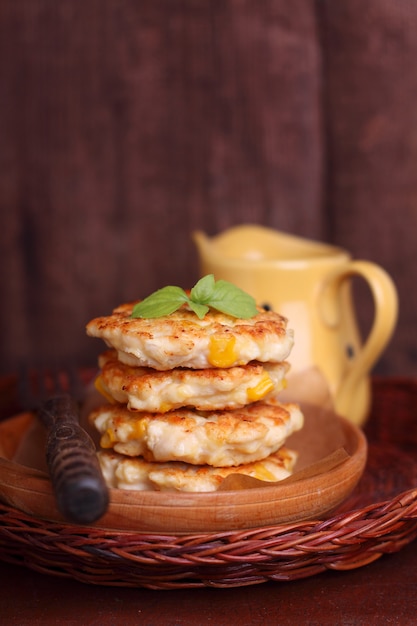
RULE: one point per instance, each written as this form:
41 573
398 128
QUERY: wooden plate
332 457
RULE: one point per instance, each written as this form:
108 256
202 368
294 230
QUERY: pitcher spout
246 242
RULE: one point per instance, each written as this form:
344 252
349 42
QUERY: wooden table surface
383 592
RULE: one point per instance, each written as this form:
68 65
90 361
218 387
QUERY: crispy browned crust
207 389
220 438
137 473
172 340
184 324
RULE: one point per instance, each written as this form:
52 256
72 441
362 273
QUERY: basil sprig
205 295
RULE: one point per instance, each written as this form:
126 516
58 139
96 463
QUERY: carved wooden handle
79 486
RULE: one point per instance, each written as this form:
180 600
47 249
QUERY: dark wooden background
125 125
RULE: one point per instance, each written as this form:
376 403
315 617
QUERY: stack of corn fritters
192 400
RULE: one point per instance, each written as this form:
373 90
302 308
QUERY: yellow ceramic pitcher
309 283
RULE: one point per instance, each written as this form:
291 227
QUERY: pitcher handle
385 300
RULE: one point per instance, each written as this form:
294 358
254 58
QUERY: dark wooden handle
77 480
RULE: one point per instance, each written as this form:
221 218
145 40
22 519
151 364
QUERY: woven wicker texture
380 517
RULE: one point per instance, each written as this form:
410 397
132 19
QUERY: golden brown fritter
218 438
137 474
147 389
183 340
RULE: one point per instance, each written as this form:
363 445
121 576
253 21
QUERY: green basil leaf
199 309
232 300
203 289
206 293
162 302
